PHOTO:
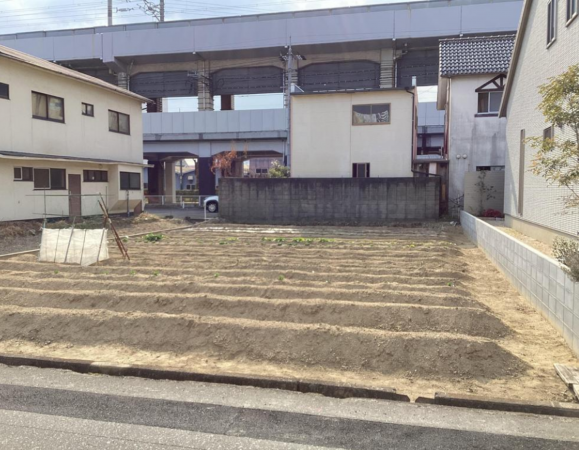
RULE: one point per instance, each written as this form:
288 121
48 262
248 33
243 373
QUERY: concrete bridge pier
162 181
206 178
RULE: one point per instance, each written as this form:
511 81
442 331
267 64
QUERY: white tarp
74 246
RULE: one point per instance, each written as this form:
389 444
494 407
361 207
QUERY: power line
90 10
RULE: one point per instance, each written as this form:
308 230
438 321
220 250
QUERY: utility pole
161 10
110 13
289 69
289 59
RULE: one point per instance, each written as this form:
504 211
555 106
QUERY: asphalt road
52 409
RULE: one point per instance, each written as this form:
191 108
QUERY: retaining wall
538 278
328 200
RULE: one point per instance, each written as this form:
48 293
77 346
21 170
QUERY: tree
278 170
557 158
485 193
224 161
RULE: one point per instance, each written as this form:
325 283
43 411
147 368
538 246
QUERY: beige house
65 139
353 134
473 71
547 44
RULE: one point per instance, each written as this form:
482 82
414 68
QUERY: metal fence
51 205
48 204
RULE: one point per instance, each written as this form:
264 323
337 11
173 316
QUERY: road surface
53 409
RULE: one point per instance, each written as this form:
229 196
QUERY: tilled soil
417 309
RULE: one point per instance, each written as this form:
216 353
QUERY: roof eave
80 80
515 57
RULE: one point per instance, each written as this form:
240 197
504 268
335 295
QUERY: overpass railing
204 122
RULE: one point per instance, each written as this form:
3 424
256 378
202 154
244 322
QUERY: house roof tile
478 55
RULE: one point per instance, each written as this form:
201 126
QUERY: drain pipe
411 92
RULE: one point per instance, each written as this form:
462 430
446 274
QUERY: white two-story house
547 45
353 134
66 140
473 72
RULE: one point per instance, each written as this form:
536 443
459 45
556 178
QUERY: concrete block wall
367 201
538 278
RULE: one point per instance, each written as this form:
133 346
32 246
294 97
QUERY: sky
34 15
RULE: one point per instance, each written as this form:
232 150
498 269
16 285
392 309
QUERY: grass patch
153 237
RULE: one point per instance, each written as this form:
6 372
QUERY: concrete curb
495 404
288 384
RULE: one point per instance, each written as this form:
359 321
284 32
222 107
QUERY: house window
551 21
54 179
572 9
378 114
23 174
490 168
4 91
41 178
87 109
47 107
95 176
548 133
57 179
119 122
489 102
361 170
521 172
130 181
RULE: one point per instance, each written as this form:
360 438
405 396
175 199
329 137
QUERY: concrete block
568 317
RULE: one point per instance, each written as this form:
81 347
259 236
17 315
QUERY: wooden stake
570 376
118 240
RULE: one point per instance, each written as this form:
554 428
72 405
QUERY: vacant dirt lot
418 309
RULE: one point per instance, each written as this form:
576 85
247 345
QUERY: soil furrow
233 279
215 265
277 291
430 355
440 282
382 316
103 294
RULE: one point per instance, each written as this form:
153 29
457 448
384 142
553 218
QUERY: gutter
515 57
81 161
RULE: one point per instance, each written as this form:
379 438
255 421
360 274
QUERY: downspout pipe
411 92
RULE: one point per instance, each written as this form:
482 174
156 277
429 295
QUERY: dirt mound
19 229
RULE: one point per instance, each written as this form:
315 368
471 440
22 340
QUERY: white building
63 132
547 44
353 134
470 87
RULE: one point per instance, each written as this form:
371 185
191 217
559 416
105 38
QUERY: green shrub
567 253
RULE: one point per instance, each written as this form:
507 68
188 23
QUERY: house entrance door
74 200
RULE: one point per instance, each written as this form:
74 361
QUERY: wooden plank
570 375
